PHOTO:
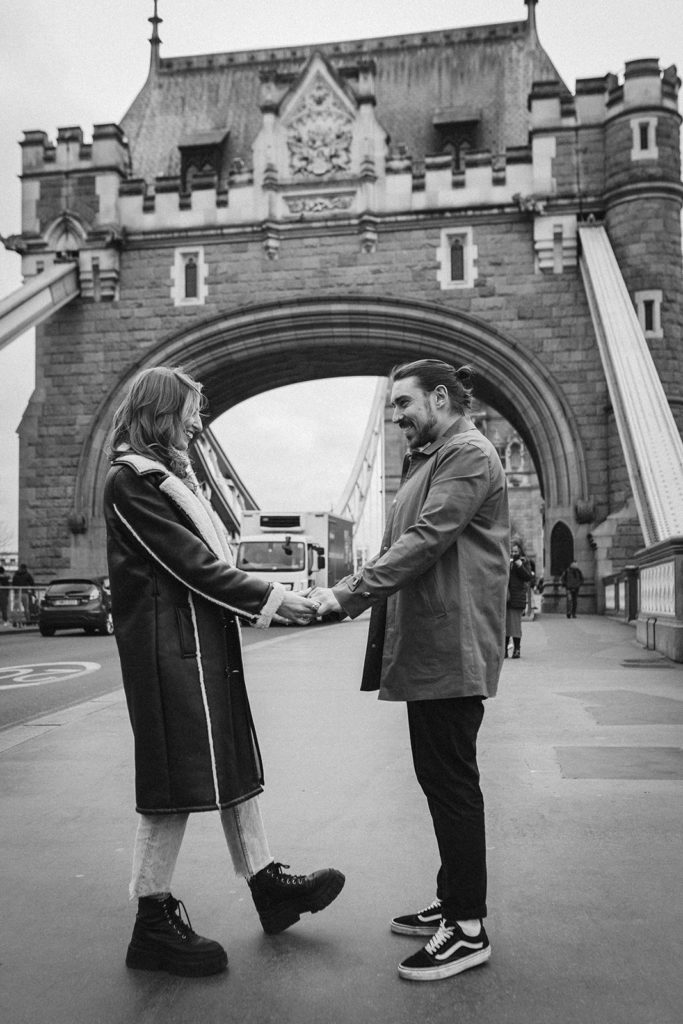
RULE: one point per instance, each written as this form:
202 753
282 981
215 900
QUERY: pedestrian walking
5 587
22 582
437 593
521 576
176 601
572 580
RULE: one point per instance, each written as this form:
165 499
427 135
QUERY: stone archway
258 348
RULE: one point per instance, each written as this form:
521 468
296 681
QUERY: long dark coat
520 578
437 589
175 602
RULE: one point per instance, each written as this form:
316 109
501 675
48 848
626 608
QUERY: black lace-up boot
163 941
281 899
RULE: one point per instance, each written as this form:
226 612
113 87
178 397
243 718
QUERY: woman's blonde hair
147 419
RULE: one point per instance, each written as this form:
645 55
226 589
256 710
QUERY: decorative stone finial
531 4
155 41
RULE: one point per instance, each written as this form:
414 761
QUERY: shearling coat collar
193 504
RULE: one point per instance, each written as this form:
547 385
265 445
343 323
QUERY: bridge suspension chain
361 499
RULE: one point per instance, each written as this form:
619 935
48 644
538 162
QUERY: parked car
78 603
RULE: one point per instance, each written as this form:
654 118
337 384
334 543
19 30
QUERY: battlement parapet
445 164
407 185
107 151
644 84
596 100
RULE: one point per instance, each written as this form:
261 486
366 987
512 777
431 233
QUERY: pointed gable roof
484 72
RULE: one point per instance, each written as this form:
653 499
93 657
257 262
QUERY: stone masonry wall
83 350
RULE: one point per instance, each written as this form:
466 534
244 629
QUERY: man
437 592
572 578
4 594
22 581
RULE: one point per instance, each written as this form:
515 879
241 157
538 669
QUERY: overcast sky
82 62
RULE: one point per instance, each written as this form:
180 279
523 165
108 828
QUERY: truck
297 549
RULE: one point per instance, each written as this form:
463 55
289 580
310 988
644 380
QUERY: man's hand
297 608
326 600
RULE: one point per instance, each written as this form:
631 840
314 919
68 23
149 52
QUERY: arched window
514 457
191 279
457 258
644 134
561 548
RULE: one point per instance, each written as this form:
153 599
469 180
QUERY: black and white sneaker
425 922
448 952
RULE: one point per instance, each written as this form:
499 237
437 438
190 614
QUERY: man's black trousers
443 737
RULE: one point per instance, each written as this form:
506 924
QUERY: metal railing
19 606
620 594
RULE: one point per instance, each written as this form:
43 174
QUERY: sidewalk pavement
581 763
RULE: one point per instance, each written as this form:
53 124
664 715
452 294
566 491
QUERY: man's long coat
438 587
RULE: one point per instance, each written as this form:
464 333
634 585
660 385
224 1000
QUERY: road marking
14 677
40 673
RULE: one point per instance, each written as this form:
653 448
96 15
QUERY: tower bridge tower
292 213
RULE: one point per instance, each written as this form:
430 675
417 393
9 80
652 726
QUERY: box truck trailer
297 549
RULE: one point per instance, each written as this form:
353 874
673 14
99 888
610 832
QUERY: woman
521 576
176 600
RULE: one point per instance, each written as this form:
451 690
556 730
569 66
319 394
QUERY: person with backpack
571 579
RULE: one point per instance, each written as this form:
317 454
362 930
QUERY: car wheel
46 631
108 627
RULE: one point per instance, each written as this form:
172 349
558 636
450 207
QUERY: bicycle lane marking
42 673
14 677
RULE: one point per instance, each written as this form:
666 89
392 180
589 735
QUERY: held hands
298 608
326 600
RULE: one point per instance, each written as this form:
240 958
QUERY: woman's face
190 423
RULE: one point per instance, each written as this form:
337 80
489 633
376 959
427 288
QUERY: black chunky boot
281 899
163 941
516 641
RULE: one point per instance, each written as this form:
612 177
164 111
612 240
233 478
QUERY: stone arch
257 348
66 234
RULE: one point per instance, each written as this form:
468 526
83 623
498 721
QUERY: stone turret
643 195
70 203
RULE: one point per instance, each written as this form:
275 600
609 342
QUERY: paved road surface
582 767
39 675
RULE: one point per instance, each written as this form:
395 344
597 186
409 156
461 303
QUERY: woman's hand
297 608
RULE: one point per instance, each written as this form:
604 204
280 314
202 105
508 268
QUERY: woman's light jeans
159 836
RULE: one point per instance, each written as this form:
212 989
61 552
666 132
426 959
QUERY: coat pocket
186 635
431 599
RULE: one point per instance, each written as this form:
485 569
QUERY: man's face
515 552
415 412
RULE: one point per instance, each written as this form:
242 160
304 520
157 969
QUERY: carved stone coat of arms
319 134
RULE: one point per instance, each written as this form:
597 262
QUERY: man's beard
423 435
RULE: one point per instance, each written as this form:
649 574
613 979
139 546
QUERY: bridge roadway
582 767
